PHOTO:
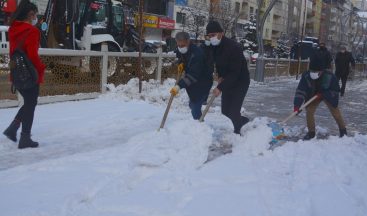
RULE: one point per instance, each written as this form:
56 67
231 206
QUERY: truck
112 21
87 24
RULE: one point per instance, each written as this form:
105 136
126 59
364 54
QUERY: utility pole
302 35
140 61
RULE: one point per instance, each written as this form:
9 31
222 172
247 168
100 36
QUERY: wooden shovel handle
301 108
207 108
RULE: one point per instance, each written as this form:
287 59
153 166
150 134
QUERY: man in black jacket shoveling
198 79
233 74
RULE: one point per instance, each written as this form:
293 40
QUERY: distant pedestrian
23 35
342 70
197 79
324 84
323 57
233 74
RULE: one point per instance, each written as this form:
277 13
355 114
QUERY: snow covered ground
106 157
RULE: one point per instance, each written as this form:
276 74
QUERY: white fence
78 74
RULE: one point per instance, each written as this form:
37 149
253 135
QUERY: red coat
17 32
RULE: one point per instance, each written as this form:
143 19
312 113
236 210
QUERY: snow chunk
152 91
181 145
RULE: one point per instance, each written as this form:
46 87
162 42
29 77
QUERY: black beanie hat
213 27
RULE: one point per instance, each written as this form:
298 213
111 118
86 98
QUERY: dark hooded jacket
342 62
230 65
326 84
197 79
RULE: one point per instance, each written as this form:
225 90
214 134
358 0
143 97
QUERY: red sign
10 6
165 23
95 6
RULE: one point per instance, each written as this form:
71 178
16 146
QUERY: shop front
156 29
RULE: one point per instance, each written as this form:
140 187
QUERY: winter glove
174 91
296 109
180 68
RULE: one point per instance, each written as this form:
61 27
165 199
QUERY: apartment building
191 16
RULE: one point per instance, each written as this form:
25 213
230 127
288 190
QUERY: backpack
22 71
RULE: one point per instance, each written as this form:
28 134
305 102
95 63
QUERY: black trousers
344 79
25 114
232 101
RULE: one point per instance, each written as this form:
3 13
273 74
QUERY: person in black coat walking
197 79
233 74
342 61
323 57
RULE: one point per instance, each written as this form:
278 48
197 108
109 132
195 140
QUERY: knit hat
213 27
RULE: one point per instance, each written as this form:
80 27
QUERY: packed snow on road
106 157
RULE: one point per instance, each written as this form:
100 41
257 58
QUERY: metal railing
79 74
277 67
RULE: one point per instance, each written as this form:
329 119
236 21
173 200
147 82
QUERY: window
180 18
251 10
266 32
237 7
118 20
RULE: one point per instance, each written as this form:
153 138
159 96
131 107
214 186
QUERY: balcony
278 27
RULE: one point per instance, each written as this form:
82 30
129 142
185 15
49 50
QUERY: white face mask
214 41
314 75
207 43
35 21
182 50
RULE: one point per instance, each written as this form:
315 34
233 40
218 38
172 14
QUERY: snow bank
165 173
152 91
357 85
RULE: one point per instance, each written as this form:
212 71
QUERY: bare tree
224 12
196 16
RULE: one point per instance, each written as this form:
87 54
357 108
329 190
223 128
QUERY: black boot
26 141
11 131
342 132
244 120
309 136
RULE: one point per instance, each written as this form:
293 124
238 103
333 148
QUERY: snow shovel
278 130
179 72
210 102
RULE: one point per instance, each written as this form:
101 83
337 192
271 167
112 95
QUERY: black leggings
232 103
25 114
344 79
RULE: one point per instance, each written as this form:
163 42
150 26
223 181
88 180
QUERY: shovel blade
278 132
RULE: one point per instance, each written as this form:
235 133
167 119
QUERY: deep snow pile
153 91
164 173
132 169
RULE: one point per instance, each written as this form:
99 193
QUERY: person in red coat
23 35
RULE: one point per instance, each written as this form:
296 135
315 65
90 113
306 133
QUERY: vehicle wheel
112 61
